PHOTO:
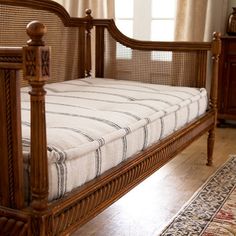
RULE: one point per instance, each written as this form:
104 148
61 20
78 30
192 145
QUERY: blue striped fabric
94 124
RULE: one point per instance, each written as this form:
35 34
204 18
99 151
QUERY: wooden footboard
63 216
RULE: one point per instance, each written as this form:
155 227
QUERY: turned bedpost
36 67
216 49
89 26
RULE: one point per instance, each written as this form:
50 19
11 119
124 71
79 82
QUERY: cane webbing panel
162 67
63 40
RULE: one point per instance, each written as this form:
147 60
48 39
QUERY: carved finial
36 31
216 35
216 44
88 18
88 12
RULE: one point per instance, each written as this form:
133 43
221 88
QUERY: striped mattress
94 124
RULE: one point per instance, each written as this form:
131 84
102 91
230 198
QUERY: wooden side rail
14 222
11 167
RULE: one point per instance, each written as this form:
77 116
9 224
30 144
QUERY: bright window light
124 8
155 23
163 8
162 30
125 26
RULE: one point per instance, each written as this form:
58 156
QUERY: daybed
104 134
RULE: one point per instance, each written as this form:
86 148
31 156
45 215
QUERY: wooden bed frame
65 215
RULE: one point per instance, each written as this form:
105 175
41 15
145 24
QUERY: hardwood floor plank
149 207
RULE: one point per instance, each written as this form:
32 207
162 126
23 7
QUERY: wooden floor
148 207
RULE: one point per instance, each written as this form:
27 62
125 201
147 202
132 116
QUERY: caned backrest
67 58
167 63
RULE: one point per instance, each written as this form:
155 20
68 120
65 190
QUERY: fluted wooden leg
210 146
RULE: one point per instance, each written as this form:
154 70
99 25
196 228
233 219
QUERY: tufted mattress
94 124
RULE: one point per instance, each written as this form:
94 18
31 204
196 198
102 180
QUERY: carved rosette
45 56
36 63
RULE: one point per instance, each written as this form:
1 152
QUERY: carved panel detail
12 227
13 59
45 62
7 77
30 62
42 224
13 222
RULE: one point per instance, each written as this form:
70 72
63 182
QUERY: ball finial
36 31
88 12
216 35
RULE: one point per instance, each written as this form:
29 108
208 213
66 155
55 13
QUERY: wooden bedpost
89 26
216 49
36 67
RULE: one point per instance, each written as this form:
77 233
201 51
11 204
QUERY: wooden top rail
149 45
11 168
11 57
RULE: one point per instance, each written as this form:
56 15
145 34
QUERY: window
124 16
163 19
146 20
124 21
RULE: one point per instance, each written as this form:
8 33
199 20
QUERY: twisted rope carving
84 209
15 59
7 76
12 227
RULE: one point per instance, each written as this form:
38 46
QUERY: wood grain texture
13 222
36 68
11 168
163 194
227 82
216 49
82 205
63 216
89 26
149 45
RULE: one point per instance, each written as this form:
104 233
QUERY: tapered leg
210 146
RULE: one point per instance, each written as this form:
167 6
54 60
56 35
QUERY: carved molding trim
41 224
30 62
86 207
9 59
13 222
45 57
9 226
7 77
